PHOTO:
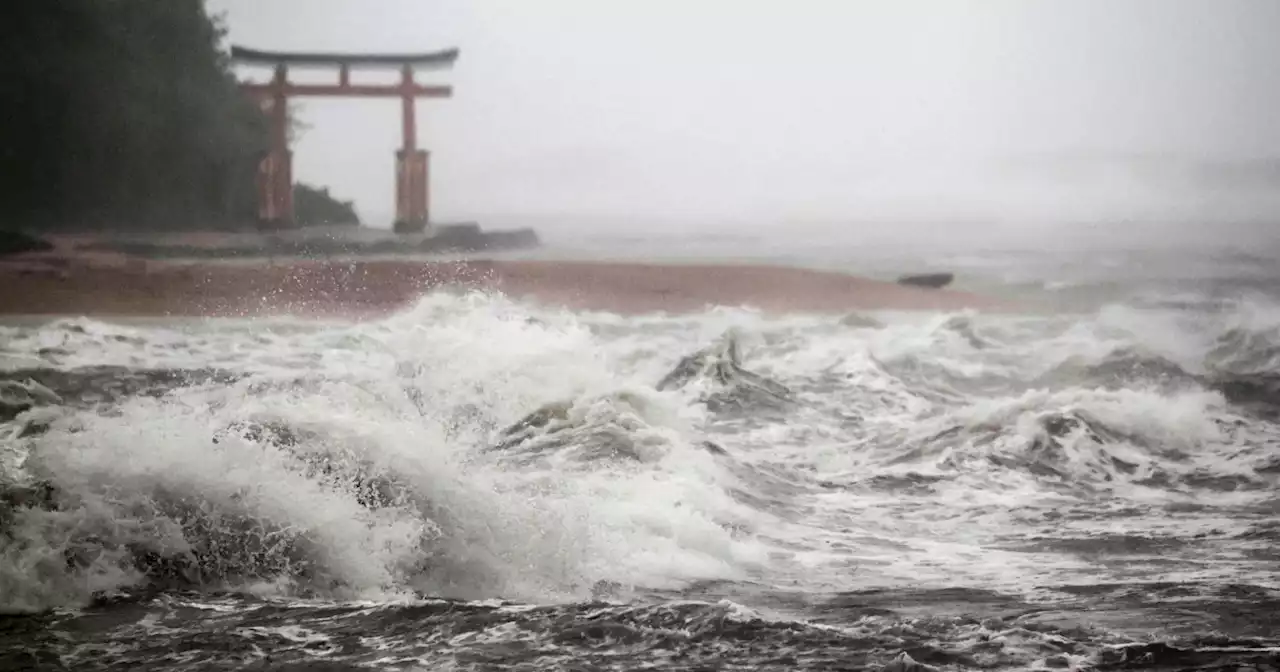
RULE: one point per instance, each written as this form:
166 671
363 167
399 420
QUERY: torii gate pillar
275 173
412 177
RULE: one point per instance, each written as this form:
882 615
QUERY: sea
479 483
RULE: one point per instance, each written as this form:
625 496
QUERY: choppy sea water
480 484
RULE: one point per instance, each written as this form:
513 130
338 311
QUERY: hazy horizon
769 113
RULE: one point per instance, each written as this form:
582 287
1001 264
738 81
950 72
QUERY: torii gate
275 173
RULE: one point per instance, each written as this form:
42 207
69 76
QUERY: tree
124 114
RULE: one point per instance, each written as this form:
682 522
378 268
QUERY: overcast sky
773 110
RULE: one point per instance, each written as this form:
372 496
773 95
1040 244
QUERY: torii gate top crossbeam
406 63
428 60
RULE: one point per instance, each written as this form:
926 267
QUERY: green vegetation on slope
123 114
315 207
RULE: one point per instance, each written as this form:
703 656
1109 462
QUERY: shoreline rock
446 239
927 280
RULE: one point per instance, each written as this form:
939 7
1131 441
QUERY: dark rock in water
721 363
930 280
470 238
456 237
16 242
515 239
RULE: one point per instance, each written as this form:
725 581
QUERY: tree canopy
124 114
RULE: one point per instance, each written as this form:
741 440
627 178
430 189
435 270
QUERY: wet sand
135 287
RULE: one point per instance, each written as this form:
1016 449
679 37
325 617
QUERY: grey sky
770 111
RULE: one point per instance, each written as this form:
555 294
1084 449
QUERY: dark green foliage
17 242
312 206
122 114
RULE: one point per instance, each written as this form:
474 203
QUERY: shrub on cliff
315 207
16 242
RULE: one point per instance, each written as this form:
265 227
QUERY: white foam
417 398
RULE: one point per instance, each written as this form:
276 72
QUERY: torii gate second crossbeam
275 173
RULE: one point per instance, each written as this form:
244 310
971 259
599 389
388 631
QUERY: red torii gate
275 172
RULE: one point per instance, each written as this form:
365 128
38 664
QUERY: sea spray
363 490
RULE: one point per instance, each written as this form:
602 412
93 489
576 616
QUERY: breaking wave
476 448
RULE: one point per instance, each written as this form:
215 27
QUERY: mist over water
761 113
